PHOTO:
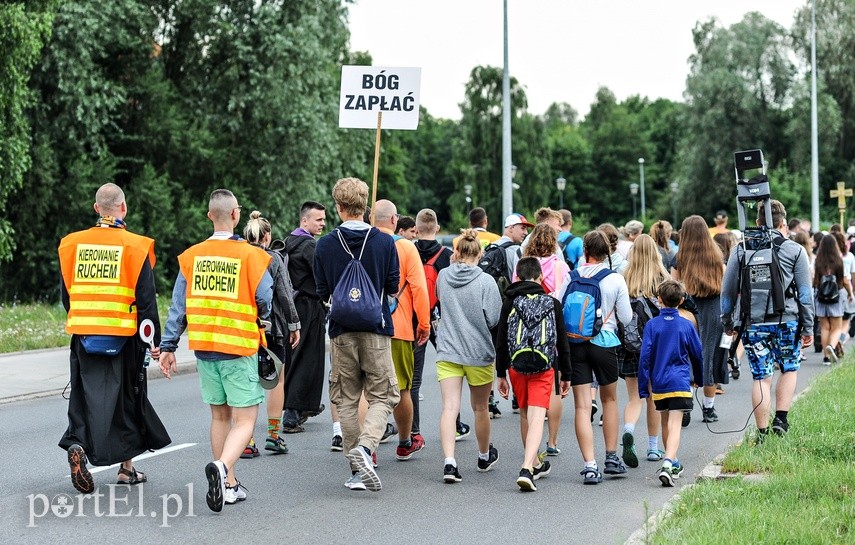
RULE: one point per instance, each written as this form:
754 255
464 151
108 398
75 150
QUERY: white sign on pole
368 90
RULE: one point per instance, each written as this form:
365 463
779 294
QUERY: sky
559 50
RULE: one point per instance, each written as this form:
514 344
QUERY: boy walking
671 345
531 343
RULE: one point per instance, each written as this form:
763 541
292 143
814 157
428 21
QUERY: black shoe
526 481
515 407
492 458
613 465
779 427
337 444
391 430
594 410
709 414
451 474
494 410
687 418
542 470
462 431
81 478
316 412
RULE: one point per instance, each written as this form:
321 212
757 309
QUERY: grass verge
34 326
806 492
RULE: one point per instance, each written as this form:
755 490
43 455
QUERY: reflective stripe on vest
222 278
100 269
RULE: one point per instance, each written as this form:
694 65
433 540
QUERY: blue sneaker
655 455
591 475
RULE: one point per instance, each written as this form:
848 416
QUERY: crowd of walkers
532 314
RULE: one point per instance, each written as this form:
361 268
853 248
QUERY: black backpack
762 292
494 262
532 334
632 334
828 291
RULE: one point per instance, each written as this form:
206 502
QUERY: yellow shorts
403 358
475 375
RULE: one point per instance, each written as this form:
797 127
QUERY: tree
24 28
477 152
738 93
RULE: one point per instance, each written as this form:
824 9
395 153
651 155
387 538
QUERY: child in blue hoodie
671 345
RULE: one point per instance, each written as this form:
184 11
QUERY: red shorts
534 390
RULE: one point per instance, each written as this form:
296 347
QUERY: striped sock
273 427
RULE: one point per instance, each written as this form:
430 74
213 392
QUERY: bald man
108 291
222 289
412 299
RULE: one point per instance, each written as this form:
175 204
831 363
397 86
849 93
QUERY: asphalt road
300 498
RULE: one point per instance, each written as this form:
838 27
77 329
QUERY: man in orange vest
222 288
108 290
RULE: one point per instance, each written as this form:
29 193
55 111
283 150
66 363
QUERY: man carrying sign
108 290
222 289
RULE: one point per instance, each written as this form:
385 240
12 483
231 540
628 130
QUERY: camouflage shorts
768 344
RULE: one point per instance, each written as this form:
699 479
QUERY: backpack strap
432 260
602 274
347 249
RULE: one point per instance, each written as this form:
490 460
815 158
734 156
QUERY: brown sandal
133 476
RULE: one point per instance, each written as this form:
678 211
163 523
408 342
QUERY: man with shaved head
108 291
412 298
222 289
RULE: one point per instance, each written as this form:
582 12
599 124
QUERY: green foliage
171 99
738 93
24 27
813 465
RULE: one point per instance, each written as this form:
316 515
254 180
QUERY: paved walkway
39 373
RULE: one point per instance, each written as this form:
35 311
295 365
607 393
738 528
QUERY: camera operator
778 338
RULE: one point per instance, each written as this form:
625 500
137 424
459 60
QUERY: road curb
152 373
712 471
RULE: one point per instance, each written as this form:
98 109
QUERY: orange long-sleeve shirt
414 297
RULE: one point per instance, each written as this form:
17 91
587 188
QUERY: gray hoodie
469 303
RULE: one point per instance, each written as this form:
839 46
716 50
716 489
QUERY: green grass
807 493
33 326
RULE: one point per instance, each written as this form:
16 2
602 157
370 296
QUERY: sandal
133 476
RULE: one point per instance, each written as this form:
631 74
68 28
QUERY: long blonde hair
700 259
645 271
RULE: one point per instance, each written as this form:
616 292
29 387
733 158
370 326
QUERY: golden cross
841 193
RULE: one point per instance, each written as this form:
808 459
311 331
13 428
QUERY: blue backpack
583 315
354 303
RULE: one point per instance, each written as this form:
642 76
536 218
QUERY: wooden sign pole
377 165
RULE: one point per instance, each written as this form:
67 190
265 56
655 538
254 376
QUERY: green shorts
475 375
230 382
403 358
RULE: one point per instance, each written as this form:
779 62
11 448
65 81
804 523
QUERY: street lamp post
641 180
468 189
674 188
561 183
633 190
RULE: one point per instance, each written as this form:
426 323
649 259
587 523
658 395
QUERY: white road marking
166 450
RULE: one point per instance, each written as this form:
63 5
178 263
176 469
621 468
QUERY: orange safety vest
100 268
222 277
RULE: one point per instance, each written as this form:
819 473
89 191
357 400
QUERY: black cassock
109 413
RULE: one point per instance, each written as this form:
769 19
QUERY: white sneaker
360 460
831 354
354 482
235 493
215 473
